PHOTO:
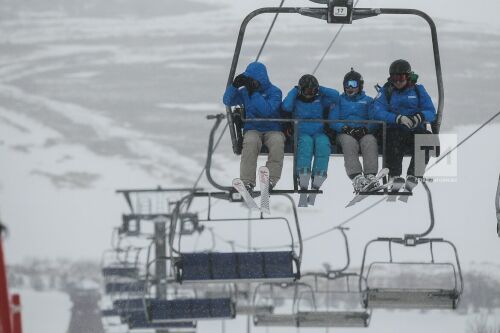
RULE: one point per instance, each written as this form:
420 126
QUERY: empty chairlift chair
245 306
427 284
334 301
216 267
122 275
283 298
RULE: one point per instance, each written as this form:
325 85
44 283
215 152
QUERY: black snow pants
398 143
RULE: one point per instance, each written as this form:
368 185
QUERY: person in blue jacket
309 100
261 99
354 137
406 107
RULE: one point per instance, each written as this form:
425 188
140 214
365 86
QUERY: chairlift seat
275 320
333 319
190 309
224 267
109 313
244 309
412 299
120 271
138 320
129 304
125 287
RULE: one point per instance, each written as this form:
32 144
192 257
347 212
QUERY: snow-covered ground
89 105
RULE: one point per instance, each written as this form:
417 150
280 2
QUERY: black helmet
308 85
352 75
400 66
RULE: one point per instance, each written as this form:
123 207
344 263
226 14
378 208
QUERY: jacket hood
258 71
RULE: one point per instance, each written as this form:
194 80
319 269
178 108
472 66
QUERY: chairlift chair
341 308
331 14
278 319
138 320
332 307
411 297
226 267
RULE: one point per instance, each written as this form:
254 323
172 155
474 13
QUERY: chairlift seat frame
190 309
139 320
218 267
411 298
124 287
120 271
328 14
236 267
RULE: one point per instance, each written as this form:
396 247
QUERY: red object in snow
10 313
16 314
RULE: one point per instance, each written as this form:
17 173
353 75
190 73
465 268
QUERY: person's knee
275 143
252 141
368 141
252 137
349 145
322 146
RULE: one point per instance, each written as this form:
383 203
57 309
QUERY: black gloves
359 132
252 86
347 130
417 118
410 122
405 121
355 132
240 81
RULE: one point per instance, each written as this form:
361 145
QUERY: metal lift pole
160 264
497 205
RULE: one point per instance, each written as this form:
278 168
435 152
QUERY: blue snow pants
318 146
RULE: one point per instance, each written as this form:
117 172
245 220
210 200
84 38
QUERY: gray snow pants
252 143
369 151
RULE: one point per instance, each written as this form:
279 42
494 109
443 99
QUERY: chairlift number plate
340 11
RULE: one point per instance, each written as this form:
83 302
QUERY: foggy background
101 95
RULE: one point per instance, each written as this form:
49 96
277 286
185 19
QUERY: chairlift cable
464 140
378 202
331 44
269 32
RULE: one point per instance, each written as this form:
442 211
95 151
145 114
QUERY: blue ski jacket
310 110
357 107
264 103
405 102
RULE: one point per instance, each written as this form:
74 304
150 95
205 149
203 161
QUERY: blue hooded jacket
264 103
357 107
405 102
312 110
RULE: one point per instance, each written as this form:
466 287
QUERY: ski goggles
309 91
351 84
399 77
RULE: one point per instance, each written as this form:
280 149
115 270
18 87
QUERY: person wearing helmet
261 99
354 104
309 100
406 107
